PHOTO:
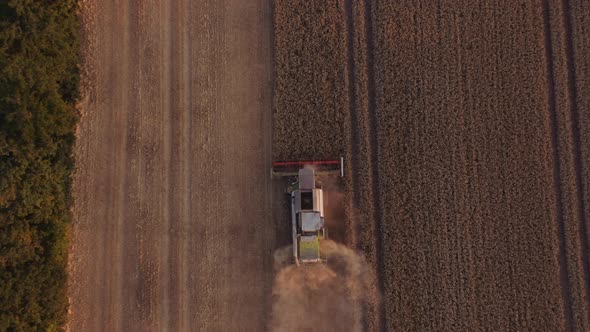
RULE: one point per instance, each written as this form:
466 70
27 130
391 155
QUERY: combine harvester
307 204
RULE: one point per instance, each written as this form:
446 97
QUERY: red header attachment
285 168
310 162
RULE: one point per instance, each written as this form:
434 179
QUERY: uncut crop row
310 113
310 106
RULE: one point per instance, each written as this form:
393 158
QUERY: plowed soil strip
576 146
374 153
567 303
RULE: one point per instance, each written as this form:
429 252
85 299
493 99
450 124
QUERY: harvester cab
307 204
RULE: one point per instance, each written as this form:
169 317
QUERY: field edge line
374 153
576 151
556 176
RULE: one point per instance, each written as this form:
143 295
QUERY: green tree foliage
39 53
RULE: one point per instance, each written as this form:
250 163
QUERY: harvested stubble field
463 124
171 214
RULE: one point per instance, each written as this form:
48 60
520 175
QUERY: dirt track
172 208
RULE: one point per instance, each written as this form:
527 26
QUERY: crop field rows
567 65
463 127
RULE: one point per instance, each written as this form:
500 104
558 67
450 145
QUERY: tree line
39 76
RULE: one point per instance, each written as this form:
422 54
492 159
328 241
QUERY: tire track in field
117 240
178 167
359 152
130 247
166 290
354 132
564 273
373 138
173 263
108 191
354 125
153 100
187 166
576 146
